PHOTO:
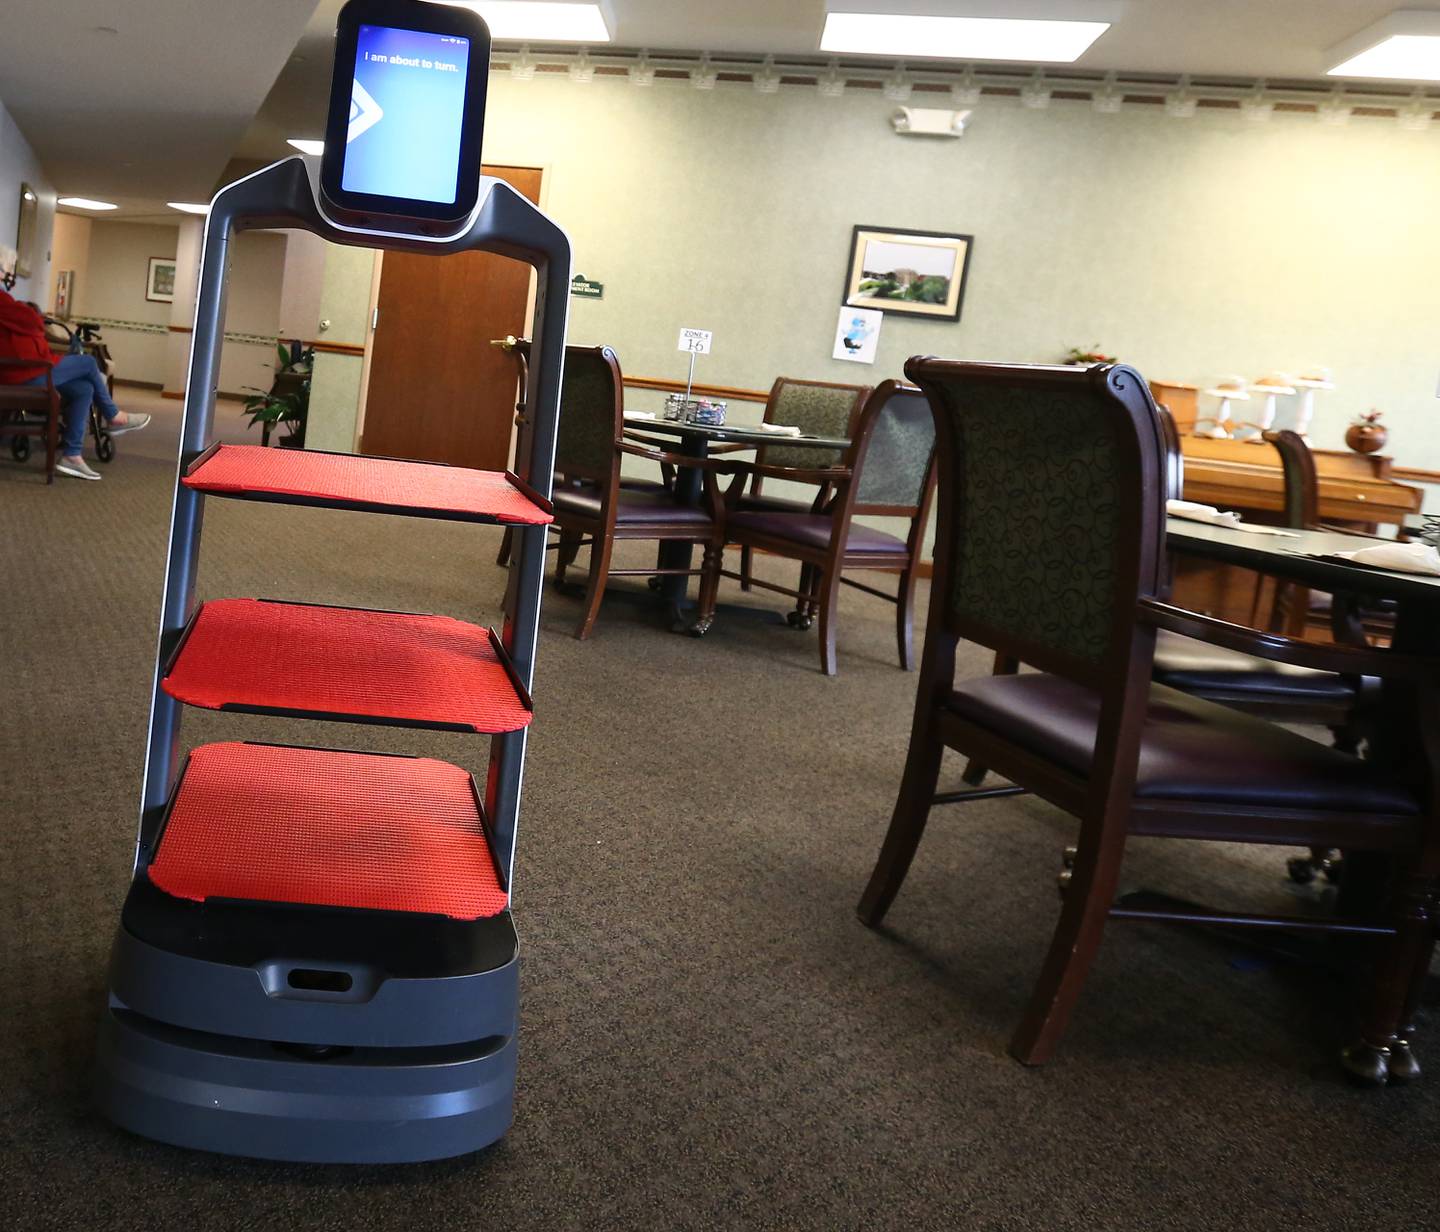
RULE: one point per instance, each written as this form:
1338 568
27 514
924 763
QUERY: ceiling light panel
306 145
914 36
87 203
188 207
542 21
1405 46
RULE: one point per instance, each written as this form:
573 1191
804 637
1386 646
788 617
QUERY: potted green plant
286 404
1080 357
1367 434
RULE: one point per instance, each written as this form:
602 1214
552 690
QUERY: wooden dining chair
817 408
18 403
1278 691
1050 549
886 472
1299 610
594 508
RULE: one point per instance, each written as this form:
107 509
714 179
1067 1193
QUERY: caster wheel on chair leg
1367 1065
19 448
105 447
1301 871
653 583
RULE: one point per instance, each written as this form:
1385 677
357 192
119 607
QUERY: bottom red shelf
274 823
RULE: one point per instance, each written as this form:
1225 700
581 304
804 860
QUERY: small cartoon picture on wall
858 334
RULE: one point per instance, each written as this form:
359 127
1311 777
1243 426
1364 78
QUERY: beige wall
1187 247
114 290
335 386
301 283
18 165
70 251
252 309
257 272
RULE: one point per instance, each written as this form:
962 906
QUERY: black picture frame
907 301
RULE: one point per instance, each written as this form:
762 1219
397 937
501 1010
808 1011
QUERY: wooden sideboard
1246 476
1355 489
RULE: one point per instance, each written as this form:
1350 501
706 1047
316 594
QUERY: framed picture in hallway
914 273
160 281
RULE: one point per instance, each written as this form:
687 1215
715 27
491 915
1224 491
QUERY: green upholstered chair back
591 412
1302 484
817 408
896 446
1050 508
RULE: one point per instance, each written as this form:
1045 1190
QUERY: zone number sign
696 341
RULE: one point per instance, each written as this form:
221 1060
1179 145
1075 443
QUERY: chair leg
1088 898
828 586
905 620
746 560
800 618
709 588
565 553
907 824
1383 1053
595 585
503 558
52 444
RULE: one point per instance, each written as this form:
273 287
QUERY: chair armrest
23 363
801 474
1343 660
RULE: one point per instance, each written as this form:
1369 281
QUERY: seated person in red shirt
77 378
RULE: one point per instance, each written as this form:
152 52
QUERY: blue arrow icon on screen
365 112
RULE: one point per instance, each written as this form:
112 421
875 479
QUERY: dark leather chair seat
633 508
814 530
751 503
1192 749
1199 667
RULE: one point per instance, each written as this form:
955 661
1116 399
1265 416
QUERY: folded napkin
639 414
773 429
1201 513
1402 557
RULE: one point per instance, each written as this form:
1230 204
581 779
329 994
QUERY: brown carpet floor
709 1038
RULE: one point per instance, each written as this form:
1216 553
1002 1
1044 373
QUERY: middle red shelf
351 664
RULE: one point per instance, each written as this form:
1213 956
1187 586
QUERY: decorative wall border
964 85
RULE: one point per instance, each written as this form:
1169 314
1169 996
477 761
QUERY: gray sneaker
75 468
133 423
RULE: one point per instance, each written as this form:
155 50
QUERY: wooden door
439 392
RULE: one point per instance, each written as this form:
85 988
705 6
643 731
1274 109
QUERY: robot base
291 1102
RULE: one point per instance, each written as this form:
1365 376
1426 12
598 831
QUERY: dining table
699 441
1391 729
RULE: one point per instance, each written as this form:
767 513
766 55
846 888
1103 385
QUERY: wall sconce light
930 122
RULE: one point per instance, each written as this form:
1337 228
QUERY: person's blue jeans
80 382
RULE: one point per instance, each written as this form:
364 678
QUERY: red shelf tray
377 485
272 823
347 664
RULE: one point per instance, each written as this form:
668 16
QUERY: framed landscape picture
160 282
916 273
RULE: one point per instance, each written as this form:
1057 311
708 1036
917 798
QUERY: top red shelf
376 485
